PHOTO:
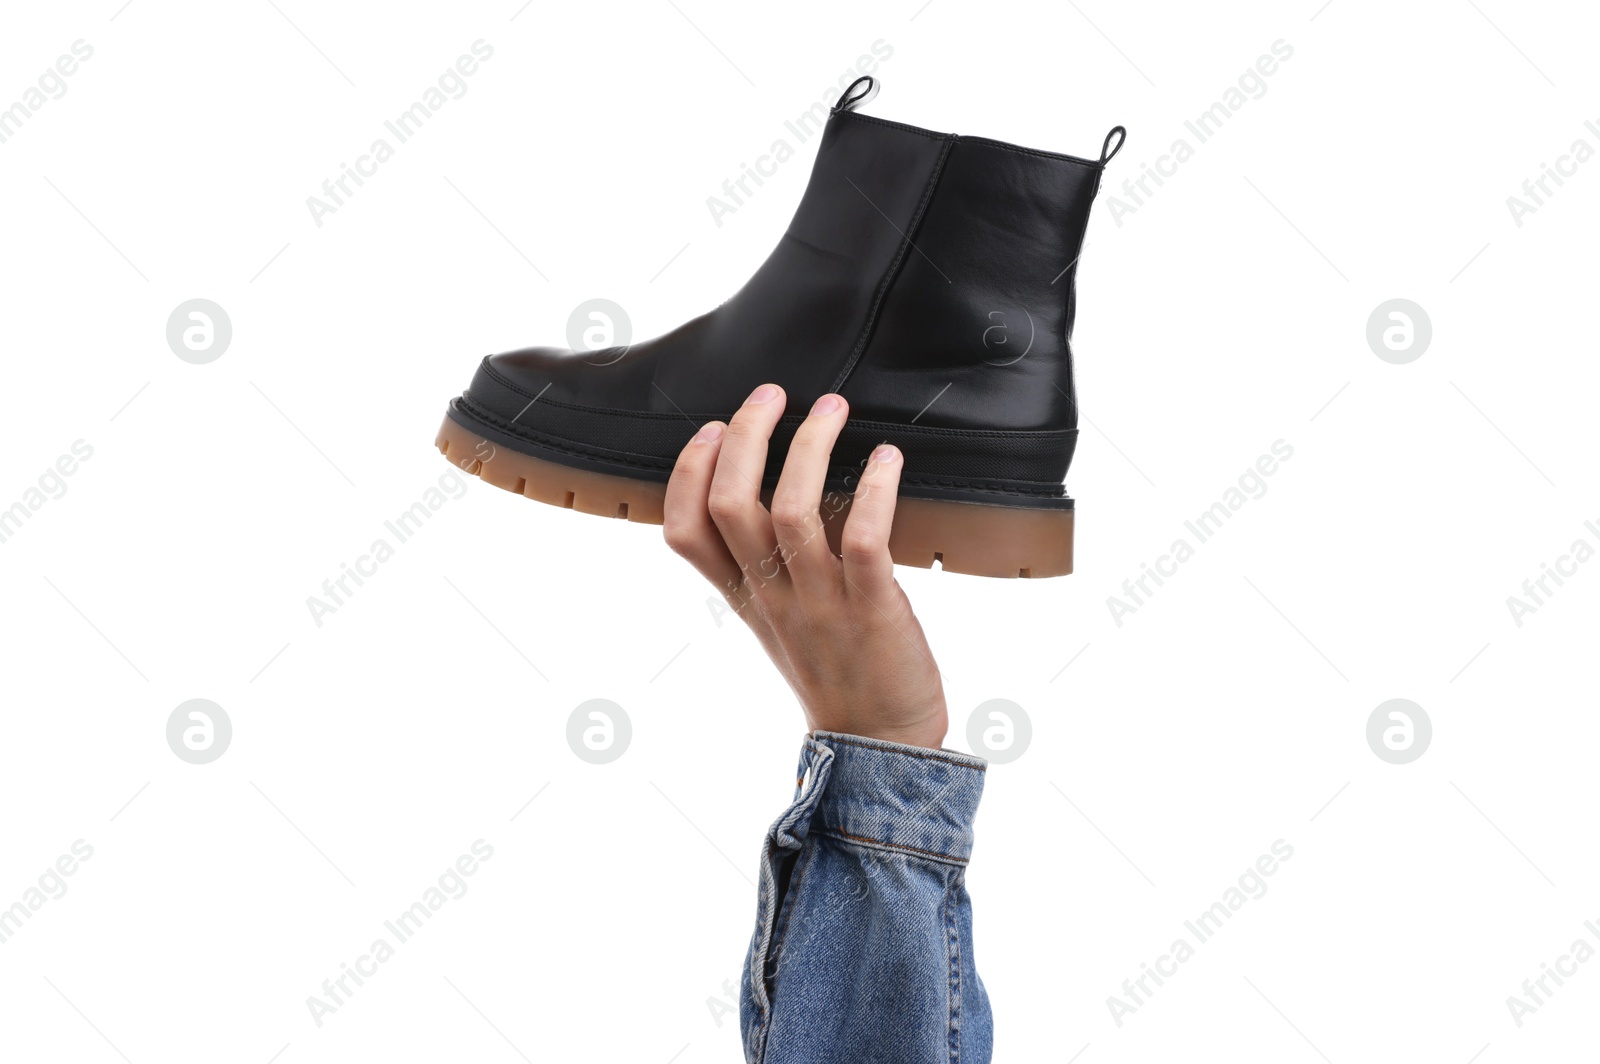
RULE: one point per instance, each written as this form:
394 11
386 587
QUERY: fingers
796 519
715 519
734 500
687 524
868 569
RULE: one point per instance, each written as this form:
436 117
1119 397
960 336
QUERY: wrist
923 722
926 734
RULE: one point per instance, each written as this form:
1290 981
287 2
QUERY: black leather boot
926 277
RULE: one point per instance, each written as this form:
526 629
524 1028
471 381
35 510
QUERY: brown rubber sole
961 537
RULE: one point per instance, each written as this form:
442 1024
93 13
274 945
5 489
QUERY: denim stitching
931 755
845 836
785 916
769 941
956 970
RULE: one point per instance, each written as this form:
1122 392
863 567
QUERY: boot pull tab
851 97
1107 152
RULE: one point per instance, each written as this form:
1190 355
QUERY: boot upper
927 277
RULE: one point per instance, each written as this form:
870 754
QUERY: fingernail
825 405
711 433
885 452
764 394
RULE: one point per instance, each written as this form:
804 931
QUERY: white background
1227 312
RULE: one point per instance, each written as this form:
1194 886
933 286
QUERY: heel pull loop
1107 152
851 97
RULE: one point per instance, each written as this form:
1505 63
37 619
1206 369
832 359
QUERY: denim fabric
862 950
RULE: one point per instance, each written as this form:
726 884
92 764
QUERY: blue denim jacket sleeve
862 949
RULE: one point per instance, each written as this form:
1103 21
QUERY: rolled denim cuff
908 799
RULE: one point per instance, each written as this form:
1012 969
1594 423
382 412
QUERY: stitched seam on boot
918 130
788 419
1018 489
1070 306
1003 145
893 272
554 443
1035 152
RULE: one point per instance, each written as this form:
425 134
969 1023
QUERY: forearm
863 942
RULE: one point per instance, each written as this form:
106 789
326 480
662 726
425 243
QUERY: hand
840 630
